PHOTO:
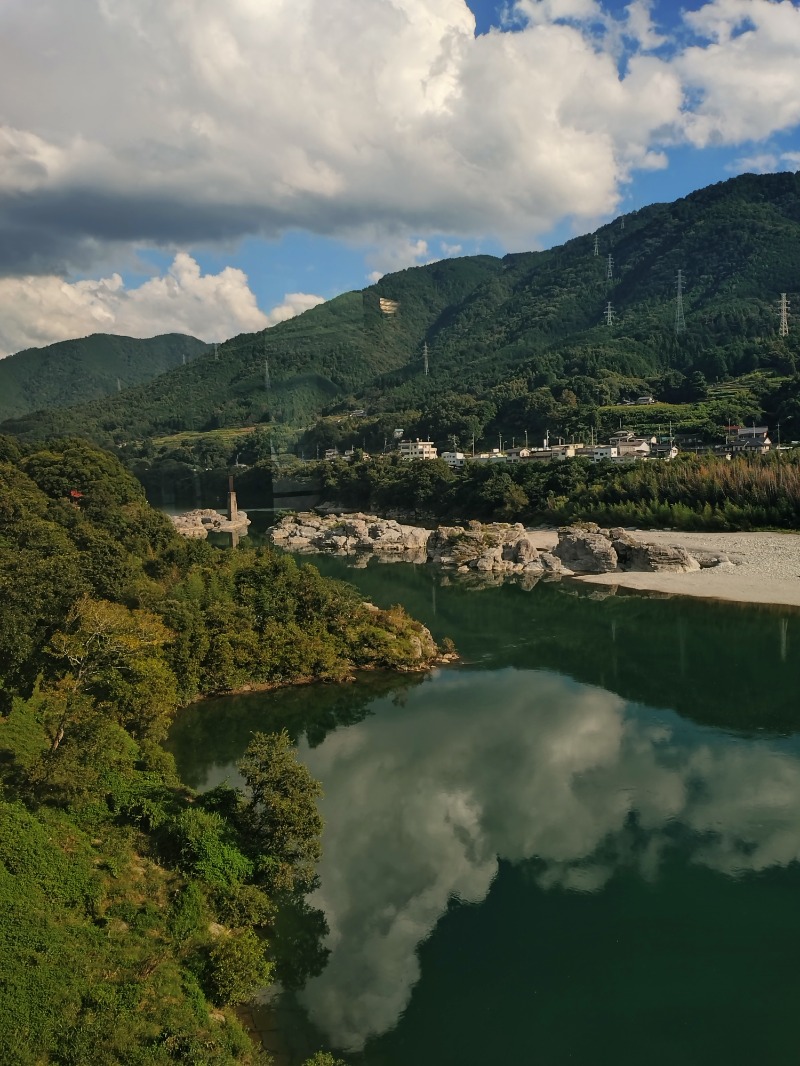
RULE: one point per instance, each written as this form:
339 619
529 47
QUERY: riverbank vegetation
690 492
134 914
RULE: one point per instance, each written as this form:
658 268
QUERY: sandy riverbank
766 567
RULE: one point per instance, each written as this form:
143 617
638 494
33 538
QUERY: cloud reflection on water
420 802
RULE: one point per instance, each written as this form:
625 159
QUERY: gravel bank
766 567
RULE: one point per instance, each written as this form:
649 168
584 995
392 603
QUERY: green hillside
511 337
89 368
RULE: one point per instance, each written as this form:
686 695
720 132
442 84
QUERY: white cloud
339 116
387 122
765 163
745 71
294 303
38 310
396 254
640 25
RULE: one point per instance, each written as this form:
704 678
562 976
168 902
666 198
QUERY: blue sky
219 173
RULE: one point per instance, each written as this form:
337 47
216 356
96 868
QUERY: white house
455 460
418 449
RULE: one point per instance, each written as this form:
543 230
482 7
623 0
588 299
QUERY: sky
207 168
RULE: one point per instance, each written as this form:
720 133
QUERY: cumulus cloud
419 804
37 310
396 254
745 70
338 116
388 122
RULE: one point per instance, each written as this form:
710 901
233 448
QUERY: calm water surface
580 845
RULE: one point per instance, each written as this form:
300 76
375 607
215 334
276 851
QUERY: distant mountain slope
504 327
75 371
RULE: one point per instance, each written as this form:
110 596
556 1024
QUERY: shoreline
765 567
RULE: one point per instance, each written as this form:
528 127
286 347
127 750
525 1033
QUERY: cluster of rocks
203 521
348 534
494 548
591 550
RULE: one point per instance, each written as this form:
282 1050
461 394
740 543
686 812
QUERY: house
455 460
603 451
749 440
418 449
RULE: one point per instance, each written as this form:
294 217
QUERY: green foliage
283 823
239 966
691 492
122 895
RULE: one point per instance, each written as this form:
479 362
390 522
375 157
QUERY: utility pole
610 267
596 245
784 327
680 321
425 356
609 314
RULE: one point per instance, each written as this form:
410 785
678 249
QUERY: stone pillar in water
233 510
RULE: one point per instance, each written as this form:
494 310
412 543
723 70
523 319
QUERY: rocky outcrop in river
591 550
494 548
201 522
350 533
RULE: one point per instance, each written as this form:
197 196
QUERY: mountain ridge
87 368
526 322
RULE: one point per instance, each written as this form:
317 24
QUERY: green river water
578 845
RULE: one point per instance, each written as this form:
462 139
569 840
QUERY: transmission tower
622 223
596 245
680 321
267 382
784 327
425 357
610 267
216 354
609 314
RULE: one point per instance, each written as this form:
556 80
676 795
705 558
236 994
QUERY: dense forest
90 368
690 492
518 343
134 913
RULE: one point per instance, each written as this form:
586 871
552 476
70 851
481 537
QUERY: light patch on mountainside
35 311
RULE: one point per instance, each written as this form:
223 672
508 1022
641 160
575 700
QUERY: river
578 845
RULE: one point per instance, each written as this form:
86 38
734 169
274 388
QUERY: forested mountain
89 368
529 329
